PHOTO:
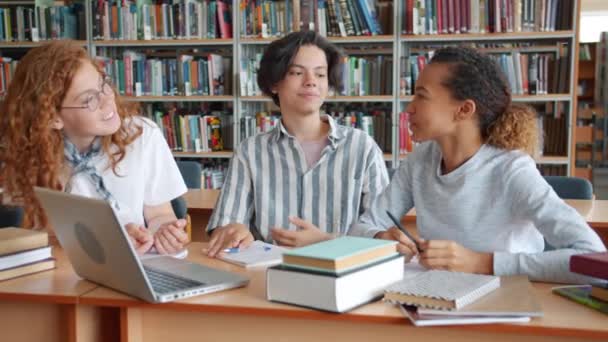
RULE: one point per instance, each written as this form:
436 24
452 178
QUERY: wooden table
201 203
58 306
244 314
46 301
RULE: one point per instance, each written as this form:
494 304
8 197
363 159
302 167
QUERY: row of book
28 23
527 73
149 19
481 16
195 132
137 74
213 177
342 18
24 251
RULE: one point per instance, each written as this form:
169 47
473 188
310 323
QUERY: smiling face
305 85
433 113
80 123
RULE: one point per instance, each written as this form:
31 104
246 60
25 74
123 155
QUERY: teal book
582 295
340 255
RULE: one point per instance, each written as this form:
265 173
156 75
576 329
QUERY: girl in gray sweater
481 204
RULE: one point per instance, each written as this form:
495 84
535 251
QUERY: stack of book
24 251
594 296
335 275
446 298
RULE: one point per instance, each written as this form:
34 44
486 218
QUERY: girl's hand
451 256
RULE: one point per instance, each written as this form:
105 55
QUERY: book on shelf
423 320
13 240
590 264
443 290
339 255
25 269
582 295
324 291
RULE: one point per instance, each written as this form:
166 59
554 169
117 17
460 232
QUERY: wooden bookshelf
394 46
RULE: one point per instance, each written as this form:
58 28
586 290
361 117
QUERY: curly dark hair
280 54
478 77
31 151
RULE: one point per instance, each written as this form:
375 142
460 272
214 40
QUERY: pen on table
231 250
404 231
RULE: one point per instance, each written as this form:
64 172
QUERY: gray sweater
497 201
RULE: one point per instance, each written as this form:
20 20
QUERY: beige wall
594 5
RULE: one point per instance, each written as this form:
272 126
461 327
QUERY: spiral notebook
442 290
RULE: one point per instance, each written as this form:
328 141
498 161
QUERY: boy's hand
306 234
229 236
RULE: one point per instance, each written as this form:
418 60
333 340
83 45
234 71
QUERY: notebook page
259 253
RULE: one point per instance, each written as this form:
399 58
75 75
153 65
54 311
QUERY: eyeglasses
93 100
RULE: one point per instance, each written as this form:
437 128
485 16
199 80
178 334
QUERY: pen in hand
404 231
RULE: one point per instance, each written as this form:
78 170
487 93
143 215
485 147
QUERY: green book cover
582 295
339 248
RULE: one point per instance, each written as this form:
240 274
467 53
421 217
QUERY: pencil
404 231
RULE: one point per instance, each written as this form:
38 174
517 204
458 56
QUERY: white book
423 320
26 257
259 253
329 292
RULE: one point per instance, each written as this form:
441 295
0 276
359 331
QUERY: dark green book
582 294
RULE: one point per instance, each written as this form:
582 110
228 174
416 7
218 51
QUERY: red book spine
591 264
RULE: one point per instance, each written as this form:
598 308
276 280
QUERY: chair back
10 216
571 187
191 172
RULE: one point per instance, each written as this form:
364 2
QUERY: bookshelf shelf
163 42
223 98
525 36
337 40
28 45
218 155
331 99
553 160
16 3
520 98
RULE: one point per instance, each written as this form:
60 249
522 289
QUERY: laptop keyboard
165 283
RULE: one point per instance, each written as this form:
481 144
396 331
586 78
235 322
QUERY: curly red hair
31 151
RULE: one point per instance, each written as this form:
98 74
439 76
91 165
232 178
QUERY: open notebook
441 289
258 254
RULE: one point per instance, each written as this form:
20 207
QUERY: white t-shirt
148 175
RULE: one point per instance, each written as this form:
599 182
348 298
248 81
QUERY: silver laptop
99 250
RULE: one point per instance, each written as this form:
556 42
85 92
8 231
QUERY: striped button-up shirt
268 180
